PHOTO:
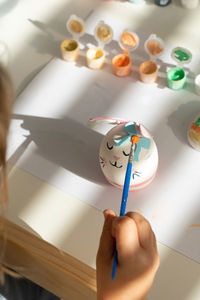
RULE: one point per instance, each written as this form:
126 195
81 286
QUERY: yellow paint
103 33
98 54
195 136
70 45
76 26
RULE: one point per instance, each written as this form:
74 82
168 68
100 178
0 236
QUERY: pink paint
133 187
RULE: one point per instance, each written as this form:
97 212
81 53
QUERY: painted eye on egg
109 147
125 153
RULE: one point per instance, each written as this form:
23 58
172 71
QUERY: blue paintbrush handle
126 189
122 209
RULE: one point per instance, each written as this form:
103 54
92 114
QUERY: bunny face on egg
114 154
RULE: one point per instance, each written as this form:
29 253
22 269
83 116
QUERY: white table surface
33 31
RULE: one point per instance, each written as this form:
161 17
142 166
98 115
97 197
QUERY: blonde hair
6 101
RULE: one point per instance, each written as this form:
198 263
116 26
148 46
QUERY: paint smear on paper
195 225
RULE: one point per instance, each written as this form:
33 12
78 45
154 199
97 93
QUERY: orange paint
122 61
148 72
154 48
135 139
129 40
121 65
195 225
195 127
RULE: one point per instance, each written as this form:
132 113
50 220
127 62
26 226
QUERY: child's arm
138 258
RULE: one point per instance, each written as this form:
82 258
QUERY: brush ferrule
131 155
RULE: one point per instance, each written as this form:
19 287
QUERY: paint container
70 48
193 134
176 77
121 63
137 1
197 84
96 56
190 4
129 41
162 2
148 70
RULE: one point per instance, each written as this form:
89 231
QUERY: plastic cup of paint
162 2
121 65
136 1
154 46
70 47
69 50
148 71
129 41
76 26
95 58
176 78
197 84
190 4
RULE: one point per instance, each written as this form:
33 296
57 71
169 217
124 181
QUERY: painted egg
114 154
194 134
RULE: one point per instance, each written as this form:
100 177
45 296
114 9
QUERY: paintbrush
134 140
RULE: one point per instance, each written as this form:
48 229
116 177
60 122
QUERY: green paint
177 75
176 78
197 122
181 55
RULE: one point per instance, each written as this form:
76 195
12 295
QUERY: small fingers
145 233
124 230
106 245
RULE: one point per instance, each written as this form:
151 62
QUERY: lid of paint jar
154 46
181 55
103 33
129 40
75 26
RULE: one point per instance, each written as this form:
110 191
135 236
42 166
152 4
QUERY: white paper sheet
49 137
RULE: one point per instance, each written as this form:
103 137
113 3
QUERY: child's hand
138 258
